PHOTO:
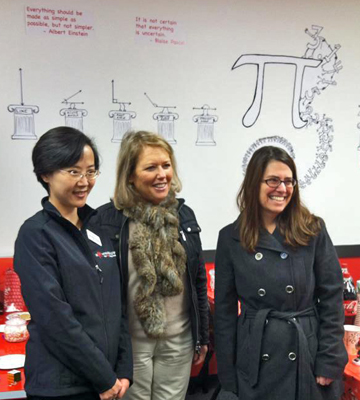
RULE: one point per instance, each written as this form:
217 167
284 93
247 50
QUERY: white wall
214 34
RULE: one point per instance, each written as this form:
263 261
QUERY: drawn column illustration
24 121
73 116
205 122
165 121
314 72
121 118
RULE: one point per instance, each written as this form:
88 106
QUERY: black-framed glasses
77 176
276 182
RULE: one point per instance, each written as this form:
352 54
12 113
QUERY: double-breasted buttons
292 356
289 289
261 292
284 256
258 256
265 357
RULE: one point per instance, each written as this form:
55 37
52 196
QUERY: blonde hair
133 143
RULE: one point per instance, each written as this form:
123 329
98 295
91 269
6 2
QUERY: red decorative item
349 293
13 300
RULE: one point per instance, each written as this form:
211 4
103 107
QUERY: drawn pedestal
24 121
121 124
74 117
166 125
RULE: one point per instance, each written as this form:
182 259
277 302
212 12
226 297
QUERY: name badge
94 238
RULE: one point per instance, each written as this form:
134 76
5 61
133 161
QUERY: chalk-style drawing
358 126
277 141
205 123
121 118
315 72
165 121
24 121
73 116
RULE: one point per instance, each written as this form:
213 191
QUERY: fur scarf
159 259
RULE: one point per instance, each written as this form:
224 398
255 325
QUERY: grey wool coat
290 329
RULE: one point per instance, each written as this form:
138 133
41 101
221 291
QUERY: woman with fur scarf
158 245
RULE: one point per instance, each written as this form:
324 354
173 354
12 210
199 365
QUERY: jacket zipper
120 235
89 255
99 270
197 319
101 279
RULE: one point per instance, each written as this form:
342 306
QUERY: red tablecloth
15 391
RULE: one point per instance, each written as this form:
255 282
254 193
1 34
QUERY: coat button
188 229
258 256
261 292
265 357
284 256
289 289
292 356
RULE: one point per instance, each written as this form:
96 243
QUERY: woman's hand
200 357
125 383
321 380
112 393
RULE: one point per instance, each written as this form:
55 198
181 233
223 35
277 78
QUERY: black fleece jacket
79 340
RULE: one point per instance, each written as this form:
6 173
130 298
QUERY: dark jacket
79 341
290 329
117 227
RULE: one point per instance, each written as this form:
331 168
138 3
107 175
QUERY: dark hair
60 147
296 223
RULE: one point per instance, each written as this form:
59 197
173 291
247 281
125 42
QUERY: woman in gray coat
278 260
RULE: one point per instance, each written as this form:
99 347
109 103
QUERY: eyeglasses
276 182
77 176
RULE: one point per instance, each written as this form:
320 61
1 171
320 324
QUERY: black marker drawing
165 121
24 121
315 72
260 60
277 141
121 118
205 122
73 116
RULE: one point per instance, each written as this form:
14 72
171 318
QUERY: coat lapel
271 242
266 240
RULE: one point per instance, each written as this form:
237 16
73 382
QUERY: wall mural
121 118
205 126
24 120
315 72
165 121
74 117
